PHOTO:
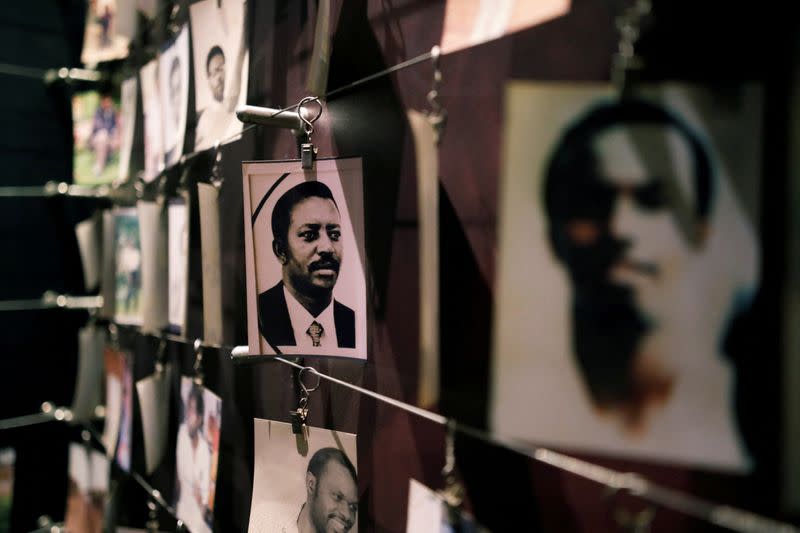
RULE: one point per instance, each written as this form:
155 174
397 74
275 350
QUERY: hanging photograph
88 233
153 125
153 245
220 68
196 456
628 256
119 405
318 487
89 380
304 249
428 513
173 80
128 94
104 38
96 133
178 269
154 406
129 266
211 248
87 489
8 457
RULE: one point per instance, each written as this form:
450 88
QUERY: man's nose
324 243
626 219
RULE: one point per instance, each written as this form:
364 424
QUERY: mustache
324 264
347 522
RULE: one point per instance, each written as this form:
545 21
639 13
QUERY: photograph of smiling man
304 240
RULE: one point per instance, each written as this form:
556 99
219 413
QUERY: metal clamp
198 362
299 416
437 115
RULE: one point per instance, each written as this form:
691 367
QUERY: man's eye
651 196
337 496
309 235
335 235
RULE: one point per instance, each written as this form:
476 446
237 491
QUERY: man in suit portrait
630 193
300 310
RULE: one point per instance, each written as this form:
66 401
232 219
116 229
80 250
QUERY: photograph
173 86
89 379
628 253
429 513
127 127
304 252
220 69
178 264
154 406
128 266
123 454
119 405
96 133
305 482
8 456
196 456
87 489
472 22
104 37
153 124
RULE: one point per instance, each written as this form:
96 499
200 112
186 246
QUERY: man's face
216 76
334 501
313 246
106 103
192 417
175 95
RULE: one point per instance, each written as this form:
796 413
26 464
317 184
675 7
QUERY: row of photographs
104 123
317 468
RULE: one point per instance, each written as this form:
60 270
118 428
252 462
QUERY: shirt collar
301 319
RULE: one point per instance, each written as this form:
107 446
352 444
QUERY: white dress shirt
301 319
193 469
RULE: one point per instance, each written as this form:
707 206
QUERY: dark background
714 45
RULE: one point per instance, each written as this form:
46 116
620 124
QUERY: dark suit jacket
276 326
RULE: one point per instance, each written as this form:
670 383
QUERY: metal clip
437 115
113 334
216 167
625 62
300 415
453 492
198 362
161 356
152 516
307 149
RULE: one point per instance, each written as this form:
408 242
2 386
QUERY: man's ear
311 483
279 249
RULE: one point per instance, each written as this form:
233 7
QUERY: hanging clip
300 415
437 115
216 166
453 492
307 149
625 62
113 334
198 362
172 25
161 356
152 516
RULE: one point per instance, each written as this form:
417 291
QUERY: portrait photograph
87 489
220 69
304 251
305 482
429 513
173 83
119 404
128 275
104 37
127 126
197 455
178 267
89 378
153 123
123 454
628 250
96 133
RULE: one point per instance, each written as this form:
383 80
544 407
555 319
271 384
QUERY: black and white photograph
304 251
154 406
306 482
220 68
196 456
153 122
128 96
173 82
628 254
178 259
429 513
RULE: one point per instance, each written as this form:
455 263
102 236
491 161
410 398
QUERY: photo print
173 83
89 380
305 482
96 133
153 124
119 406
128 94
105 37
87 489
428 513
154 406
88 233
628 251
304 249
211 251
196 456
128 266
8 457
220 68
153 247
178 268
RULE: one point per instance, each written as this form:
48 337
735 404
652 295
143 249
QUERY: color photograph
129 266
96 132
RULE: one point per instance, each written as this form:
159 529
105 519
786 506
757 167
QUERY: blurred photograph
128 93
640 257
173 83
123 454
153 122
178 267
429 513
128 266
87 489
196 456
105 37
96 132
220 68
8 456
304 247
305 482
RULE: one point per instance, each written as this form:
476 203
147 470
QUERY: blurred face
106 103
175 94
216 76
313 246
193 419
334 500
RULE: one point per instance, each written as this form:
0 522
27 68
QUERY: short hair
196 394
573 156
215 51
281 213
325 455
